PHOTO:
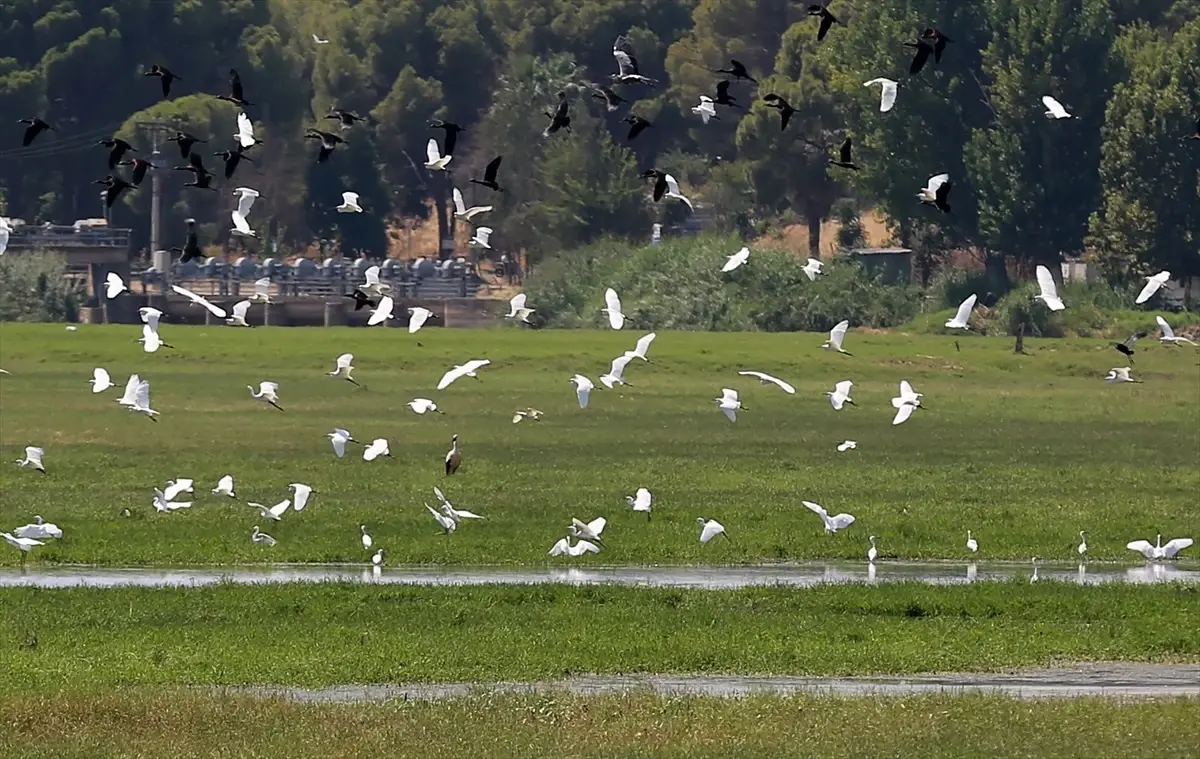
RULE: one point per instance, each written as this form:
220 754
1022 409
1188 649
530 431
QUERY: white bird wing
225 484
114 285
584 546
150 316
101 381
262 288
841 521
300 495
736 260
350 198
34 453
246 198
131 386
1144 547
268 388
817 509
712 528
843 387
1055 107
417 319
516 303
597 525
903 411
278 509
193 297
1046 283
382 312
460 207
964 310
643 344
432 156
673 191
624 64
1151 286
729 412
1175 546
343 362
339 445
240 308
618 365
583 386
906 391
1166 328
482 235
641 501
561 548
768 378
475 364
887 93
838 333
141 398
372 276
449 377
240 225
245 132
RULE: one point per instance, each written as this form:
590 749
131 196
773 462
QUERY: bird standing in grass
453 456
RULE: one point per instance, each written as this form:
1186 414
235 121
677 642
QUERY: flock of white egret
588 536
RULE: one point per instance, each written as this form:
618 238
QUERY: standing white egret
1120 374
972 543
840 395
378 447
275 512
1158 550
100 380
261 538
1034 577
837 336
239 314
349 203
344 367
417 316
641 501
872 552
710 528
736 260
1153 283
381 313
848 445
21 544
564 548
367 542
588 530
643 345
245 131
887 92
460 208
1168 334
481 238
268 392
612 307
1054 109
812 269
447 524
40 529
766 379
246 197
175 487
434 160
225 486
199 300
517 309
832 523
1081 549
377 558
423 406
963 315
673 192
468 369
706 110
114 285
300 495
583 387
729 403
1048 290
141 401
614 376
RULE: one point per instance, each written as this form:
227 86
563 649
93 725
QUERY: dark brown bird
736 70
346 118
360 300
191 248
236 95
636 125
844 157
1126 348
610 98
561 118
939 42
186 141
785 109
918 62
35 127
232 159
140 167
115 186
660 182
827 19
117 150
451 130
723 97
202 179
328 140
165 77
489 175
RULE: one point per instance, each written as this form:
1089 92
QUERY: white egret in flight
1153 283
100 380
150 339
1054 109
141 401
300 495
887 92
150 316
481 238
905 403
21 544
349 203
268 392
612 307
847 445
40 529
344 367
766 379
468 369
372 284
963 315
114 285
319 41
840 395
262 290
812 269
710 528
564 547
33 458
245 131
1158 550
215 310
175 487
643 345
706 110
417 316
1168 334
736 260
837 336
673 192
517 309
275 512
614 376
447 524
583 387
729 403
338 439
832 523
434 160
460 208
378 447
1048 290
936 192
1120 374
163 506
246 197
423 406
641 501
382 312
225 486
239 314
528 413
588 530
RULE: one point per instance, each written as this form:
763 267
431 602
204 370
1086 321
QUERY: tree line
1119 180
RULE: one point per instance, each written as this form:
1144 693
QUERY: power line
70 144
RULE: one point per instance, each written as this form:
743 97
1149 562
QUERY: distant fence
60 237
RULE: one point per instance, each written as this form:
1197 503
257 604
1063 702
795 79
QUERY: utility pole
156 132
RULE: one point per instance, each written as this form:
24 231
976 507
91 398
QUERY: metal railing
67 237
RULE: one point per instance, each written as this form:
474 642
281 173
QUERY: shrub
34 288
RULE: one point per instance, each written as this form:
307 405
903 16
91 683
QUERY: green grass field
185 724
319 635
1023 450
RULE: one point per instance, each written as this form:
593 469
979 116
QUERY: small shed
893 265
